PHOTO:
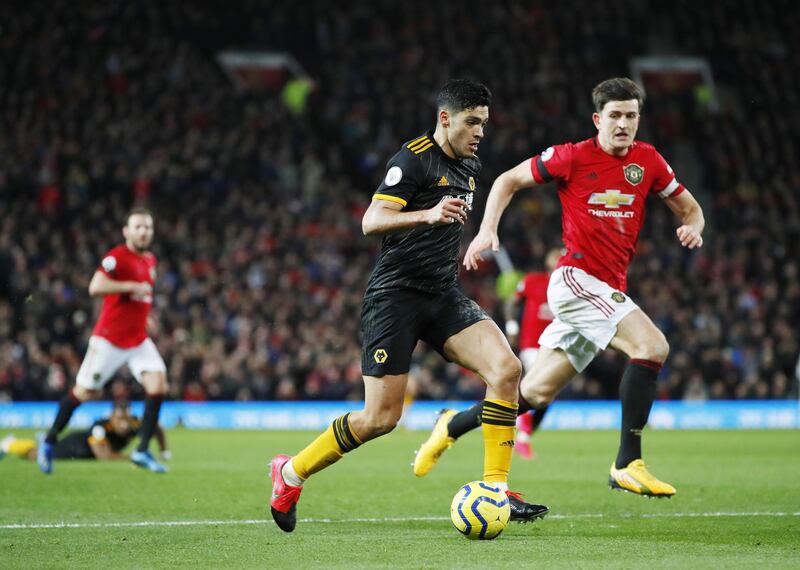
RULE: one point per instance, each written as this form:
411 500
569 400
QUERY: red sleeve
555 163
110 264
664 184
522 288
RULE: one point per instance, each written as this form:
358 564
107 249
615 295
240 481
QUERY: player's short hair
616 89
459 94
137 211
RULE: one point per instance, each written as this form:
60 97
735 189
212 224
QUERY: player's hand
448 211
485 239
153 325
689 236
140 289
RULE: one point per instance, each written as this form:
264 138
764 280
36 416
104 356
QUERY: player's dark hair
460 94
616 89
136 211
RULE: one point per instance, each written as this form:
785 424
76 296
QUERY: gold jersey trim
390 198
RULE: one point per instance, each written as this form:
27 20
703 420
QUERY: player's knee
658 349
85 394
161 389
537 396
380 423
654 348
662 350
506 372
155 383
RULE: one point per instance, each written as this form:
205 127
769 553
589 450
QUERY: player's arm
103 452
153 325
403 180
505 186
386 216
690 213
102 284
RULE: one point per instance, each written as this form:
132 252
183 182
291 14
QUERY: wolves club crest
380 356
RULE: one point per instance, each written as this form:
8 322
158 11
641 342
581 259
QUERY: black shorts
393 321
74 446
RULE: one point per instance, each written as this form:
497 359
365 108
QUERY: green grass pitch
738 506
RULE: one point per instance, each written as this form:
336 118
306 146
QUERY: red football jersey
602 202
123 318
536 314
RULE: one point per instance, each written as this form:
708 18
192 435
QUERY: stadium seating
261 259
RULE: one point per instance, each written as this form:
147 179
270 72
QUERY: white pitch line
136 524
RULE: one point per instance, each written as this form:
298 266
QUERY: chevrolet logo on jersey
611 199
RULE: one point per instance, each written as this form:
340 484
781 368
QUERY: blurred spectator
262 259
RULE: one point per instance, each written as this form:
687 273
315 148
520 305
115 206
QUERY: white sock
503 486
5 445
290 475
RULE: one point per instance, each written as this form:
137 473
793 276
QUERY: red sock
525 423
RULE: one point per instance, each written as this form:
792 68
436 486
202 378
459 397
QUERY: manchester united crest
633 173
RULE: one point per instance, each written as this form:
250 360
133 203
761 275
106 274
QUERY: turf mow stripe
135 524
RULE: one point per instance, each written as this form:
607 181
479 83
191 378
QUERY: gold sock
327 449
499 420
21 447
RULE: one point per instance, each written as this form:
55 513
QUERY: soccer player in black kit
420 208
105 440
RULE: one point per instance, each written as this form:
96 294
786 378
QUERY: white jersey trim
671 187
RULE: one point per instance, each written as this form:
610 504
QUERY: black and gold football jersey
424 258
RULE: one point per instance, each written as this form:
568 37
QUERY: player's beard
464 150
459 143
141 245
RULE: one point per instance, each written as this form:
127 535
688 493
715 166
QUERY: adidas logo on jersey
443 181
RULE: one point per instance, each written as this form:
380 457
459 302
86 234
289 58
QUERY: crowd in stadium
262 263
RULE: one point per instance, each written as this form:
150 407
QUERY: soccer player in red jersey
125 281
602 183
536 316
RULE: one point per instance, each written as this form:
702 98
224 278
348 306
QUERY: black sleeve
402 179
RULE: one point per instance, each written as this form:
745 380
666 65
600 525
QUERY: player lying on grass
105 440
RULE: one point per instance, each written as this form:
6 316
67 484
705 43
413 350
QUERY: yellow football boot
635 478
438 442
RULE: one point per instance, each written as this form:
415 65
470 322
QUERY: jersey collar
599 149
440 151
